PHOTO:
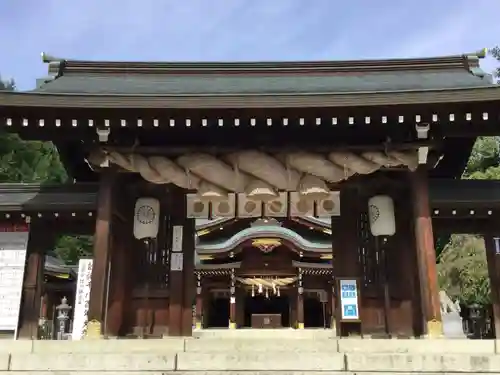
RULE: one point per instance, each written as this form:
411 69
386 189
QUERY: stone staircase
269 352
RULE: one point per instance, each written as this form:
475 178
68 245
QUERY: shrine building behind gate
252 194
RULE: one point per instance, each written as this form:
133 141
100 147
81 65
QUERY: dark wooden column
102 249
41 238
493 259
300 300
345 232
188 275
118 279
182 281
232 301
331 308
300 309
232 312
199 302
292 295
240 307
344 235
426 254
404 257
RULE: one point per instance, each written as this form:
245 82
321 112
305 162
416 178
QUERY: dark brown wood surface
426 253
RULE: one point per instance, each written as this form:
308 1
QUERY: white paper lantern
146 218
381 214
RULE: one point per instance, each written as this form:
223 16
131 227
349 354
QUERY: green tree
71 248
463 271
495 52
462 267
484 161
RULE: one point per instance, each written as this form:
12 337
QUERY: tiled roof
85 77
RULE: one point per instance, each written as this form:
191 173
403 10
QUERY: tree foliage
495 52
71 248
463 271
38 162
462 268
484 162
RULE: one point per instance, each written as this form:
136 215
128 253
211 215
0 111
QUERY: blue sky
225 30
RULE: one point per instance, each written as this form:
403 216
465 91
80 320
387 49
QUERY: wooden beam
177 150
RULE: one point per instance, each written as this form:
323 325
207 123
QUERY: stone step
282 333
342 346
253 345
231 363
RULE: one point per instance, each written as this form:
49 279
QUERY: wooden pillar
426 254
300 309
404 254
292 295
40 239
240 307
199 303
331 308
345 241
189 290
492 243
118 280
345 232
232 301
300 301
182 283
102 249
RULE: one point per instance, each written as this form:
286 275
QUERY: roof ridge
59 66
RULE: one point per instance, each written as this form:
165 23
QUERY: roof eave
208 101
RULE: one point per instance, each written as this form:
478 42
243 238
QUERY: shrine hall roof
247 78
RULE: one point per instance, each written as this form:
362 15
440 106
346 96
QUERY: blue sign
351 311
349 299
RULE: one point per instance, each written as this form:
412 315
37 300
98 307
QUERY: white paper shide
146 218
13 247
82 299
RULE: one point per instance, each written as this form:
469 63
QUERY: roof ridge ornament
472 62
47 59
55 68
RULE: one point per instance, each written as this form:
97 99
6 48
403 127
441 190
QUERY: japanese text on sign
82 299
12 263
349 299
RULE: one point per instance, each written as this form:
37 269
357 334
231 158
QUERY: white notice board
82 298
13 247
349 300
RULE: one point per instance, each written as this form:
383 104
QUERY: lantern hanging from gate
146 218
381 215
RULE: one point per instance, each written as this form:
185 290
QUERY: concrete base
252 355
